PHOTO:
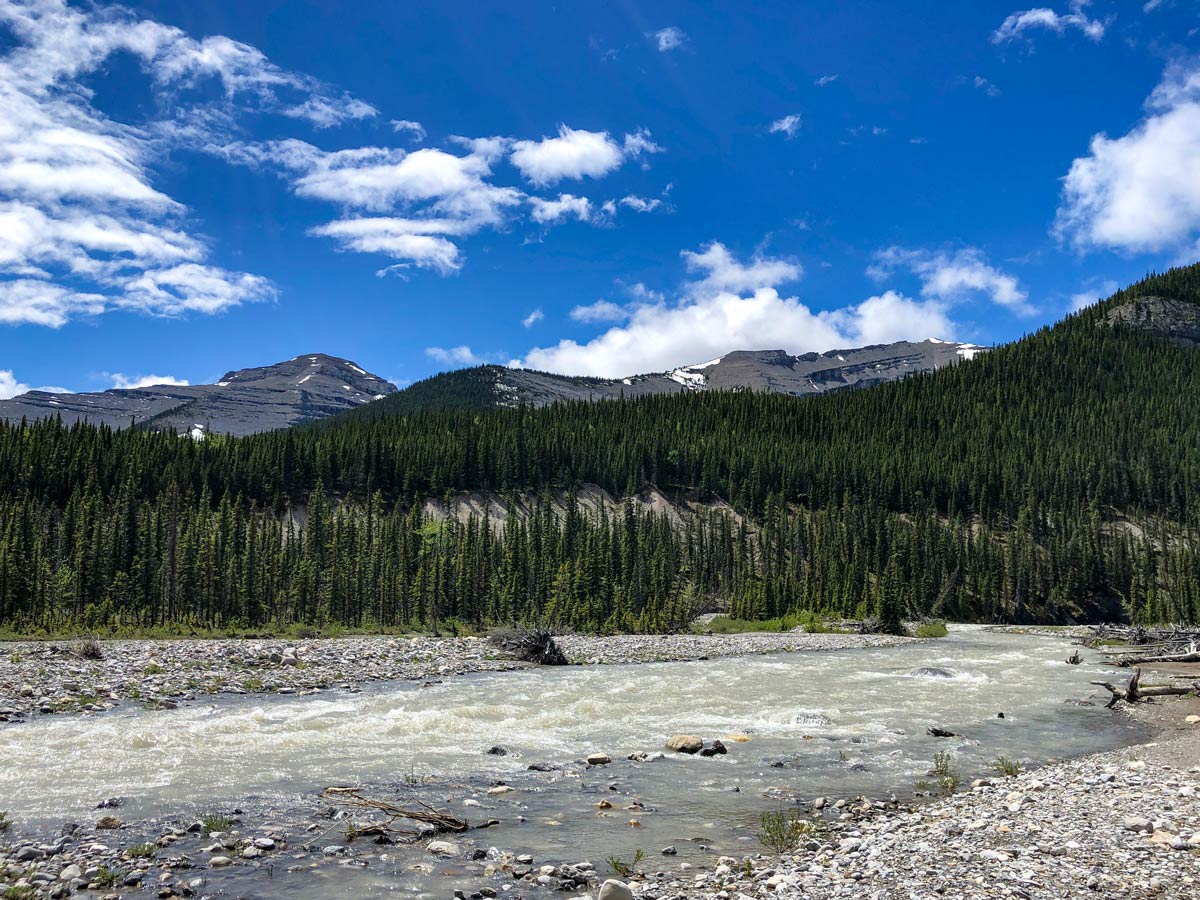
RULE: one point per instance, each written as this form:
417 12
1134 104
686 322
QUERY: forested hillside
1051 479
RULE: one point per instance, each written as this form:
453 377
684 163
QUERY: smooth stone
442 848
218 862
683 743
614 890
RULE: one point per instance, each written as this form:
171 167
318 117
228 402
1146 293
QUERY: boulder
598 759
716 748
683 743
615 890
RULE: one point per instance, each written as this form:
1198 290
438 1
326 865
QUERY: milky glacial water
835 724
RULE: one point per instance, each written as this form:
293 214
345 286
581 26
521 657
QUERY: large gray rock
1176 320
304 389
615 890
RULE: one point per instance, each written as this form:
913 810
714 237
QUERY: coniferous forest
1049 480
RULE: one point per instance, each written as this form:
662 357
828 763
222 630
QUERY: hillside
771 371
246 401
1047 480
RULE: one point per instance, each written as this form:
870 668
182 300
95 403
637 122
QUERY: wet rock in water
668 851
542 767
684 743
107 823
220 862
615 890
442 848
931 672
934 731
716 748
497 751
500 789
598 759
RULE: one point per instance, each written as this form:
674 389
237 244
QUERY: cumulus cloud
9 386
133 382
1141 191
954 276
83 228
577 154
550 212
787 126
1016 24
669 38
729 304
454 356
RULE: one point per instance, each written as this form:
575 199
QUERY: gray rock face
1175 320
303 389
772 371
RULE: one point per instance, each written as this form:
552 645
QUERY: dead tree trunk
1135 692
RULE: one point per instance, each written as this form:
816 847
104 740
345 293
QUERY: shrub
216 822
1007 767
5 822
626 869
780 831
933 629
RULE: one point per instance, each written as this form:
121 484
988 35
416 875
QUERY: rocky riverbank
1122 824
42 678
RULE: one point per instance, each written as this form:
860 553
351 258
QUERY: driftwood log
388 828
531 645
1135 692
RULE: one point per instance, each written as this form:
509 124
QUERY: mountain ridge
303 389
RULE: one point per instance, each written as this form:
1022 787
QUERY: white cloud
640 204
533 318
83 229
577 154
133 382
1141 191
1043 17
415 129
9 386
600 311
826 80
986 86
419 242
719 271
669 38
729 305
954 276
460 356
788 126
550 212
1086 298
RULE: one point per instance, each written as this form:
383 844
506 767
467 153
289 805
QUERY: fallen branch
386 828
1192 657
1135 692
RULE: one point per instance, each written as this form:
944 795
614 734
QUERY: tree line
1046 480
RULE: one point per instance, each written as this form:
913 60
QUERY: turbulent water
831 724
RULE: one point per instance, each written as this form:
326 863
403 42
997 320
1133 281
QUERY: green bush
934 629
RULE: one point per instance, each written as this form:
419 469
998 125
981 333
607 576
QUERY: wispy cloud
788 126
461 355
533 318
669 38
953 276
1016 24
826 80
83 228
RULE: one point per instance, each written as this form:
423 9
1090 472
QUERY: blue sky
589 187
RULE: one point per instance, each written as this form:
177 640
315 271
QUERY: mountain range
316 386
